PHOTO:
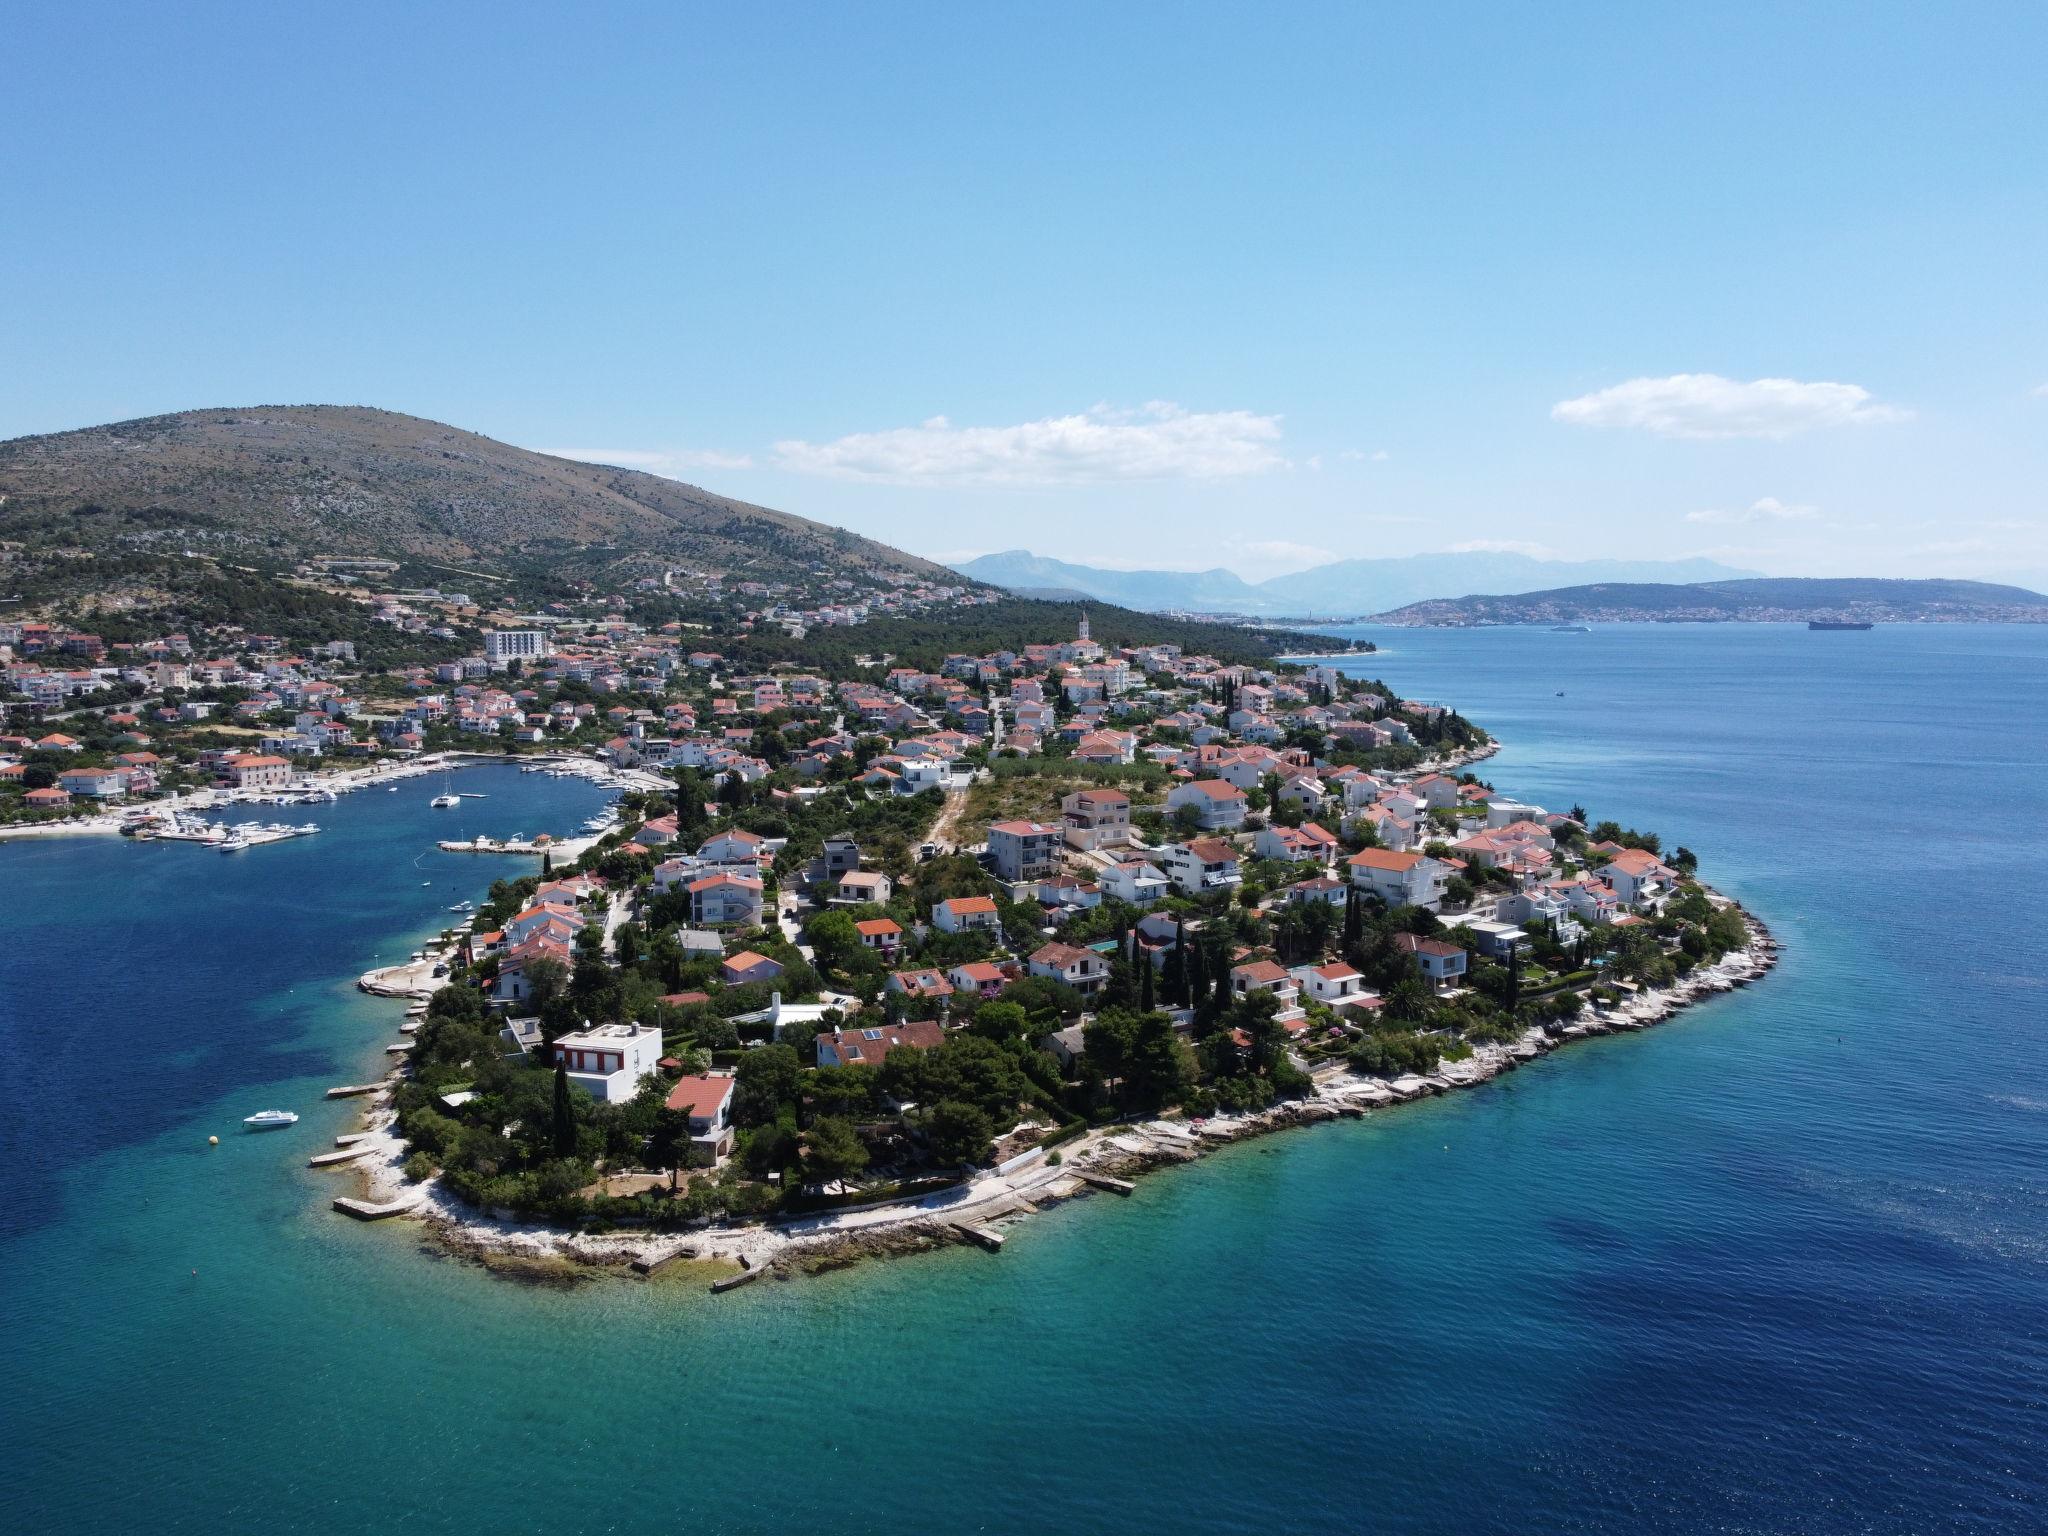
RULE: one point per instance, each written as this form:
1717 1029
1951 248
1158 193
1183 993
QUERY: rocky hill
272 484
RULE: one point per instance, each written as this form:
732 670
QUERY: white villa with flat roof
611 1059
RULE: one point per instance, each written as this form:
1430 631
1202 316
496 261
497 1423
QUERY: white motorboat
270 1120
444 802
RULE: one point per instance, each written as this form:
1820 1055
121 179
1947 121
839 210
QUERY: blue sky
1172 286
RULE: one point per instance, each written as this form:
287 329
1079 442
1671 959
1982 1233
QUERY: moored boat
270 1120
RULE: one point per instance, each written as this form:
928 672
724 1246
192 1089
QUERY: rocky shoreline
1104 1159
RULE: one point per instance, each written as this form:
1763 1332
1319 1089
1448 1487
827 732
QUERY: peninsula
900 953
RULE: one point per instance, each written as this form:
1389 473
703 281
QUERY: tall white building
503 645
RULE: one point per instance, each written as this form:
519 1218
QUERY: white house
1305 844
859 886
1268 976
1503 812
611 1059
1203 864
707 1100
966 914
1136 883
1218 805
726 899
1399 879
733 847
1635 874
1097 818
1335 985
1082 969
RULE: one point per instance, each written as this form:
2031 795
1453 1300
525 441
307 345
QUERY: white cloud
1767 509
2039 391
1503 547
1705 406
1356 455
656 461
1159 442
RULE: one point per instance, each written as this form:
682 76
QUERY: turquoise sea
1780 1265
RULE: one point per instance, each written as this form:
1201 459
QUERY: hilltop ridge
267 485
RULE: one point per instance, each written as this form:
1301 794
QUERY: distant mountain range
1343 589
1856 598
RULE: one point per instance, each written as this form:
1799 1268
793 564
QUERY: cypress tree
564 1127
1145 986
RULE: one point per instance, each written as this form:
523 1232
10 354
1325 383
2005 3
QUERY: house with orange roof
967 914
1271 977
1334 984
1217 804
980 979
1398 879
746 966
725 899
883 935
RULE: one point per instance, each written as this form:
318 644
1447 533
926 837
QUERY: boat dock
734 1282
354 1090
975 1232
647 1266
336 1159
370 1210
535 845
1104 1181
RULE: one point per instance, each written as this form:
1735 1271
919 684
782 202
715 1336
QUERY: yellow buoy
213 1141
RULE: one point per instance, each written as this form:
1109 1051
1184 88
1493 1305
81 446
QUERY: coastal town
885 959
102 734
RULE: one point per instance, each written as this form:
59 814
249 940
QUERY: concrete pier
336 1159
369 1210
1104 1181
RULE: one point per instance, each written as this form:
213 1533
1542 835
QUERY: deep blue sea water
1780 1265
